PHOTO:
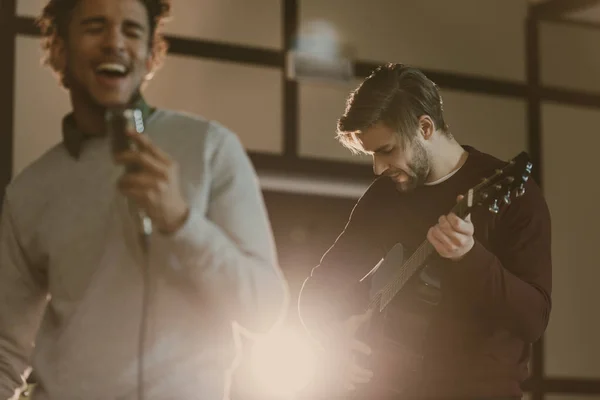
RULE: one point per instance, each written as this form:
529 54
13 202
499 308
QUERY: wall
570 145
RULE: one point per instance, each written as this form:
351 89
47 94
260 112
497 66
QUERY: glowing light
283 362
320 39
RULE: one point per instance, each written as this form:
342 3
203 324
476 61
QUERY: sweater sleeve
228 251
332 289
22 302
512 282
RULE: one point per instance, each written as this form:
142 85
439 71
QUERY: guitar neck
410 267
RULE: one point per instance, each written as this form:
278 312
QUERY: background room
515 75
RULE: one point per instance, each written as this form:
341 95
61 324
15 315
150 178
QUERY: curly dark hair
395 94
55 17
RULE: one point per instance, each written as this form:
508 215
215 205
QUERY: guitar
396 357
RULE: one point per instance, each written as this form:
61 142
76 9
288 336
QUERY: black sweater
495 301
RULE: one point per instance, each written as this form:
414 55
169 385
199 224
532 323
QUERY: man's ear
58 55
426 126
149 65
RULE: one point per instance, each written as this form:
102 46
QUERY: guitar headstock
498 188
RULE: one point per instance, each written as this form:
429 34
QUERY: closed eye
133 33
93 24
94 28
134 29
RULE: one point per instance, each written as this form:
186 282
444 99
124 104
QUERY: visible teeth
111 67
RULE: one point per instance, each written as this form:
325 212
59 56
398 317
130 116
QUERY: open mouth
112 70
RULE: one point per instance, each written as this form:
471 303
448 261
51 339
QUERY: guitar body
396 334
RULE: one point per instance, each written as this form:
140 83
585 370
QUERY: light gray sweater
71 272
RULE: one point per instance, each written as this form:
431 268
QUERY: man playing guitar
463 324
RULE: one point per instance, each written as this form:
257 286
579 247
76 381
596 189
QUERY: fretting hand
344 337
452 237
153 185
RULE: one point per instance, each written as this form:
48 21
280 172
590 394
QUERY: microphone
120 121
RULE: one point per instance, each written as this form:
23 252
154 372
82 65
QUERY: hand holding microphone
151 177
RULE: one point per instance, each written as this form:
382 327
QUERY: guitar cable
145 233
119 122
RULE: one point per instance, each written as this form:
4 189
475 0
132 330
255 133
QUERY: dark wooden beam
559 8
460 82
572 386
290 86
271 58
199 48
573 22
571 97
532 57
7 93
552 385
308 167
534 134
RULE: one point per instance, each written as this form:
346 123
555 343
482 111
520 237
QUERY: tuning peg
507 198
494 208
520 190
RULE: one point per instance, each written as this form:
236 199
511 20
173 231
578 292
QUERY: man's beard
419 168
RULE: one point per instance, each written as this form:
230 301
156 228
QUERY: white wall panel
570 151
570 56
320 107
30 8
253 23
496 125
39 105
483 37
246 99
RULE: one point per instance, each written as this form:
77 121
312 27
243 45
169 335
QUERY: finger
441 241
446 233
360 347
355 321
141 181
359 374
144 161
146 145
365 317
357 370
463 226
459 198
139 196
445 224
437 245
360 379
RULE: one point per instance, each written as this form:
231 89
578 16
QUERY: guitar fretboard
410 267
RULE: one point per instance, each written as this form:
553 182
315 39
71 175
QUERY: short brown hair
396 95
56 15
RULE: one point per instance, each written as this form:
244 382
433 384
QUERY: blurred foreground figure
76 281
